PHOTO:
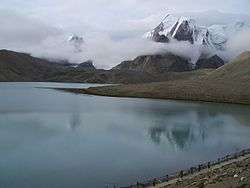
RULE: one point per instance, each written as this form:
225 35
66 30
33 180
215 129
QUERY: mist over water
50 138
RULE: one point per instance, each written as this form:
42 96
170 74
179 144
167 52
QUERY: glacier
214 37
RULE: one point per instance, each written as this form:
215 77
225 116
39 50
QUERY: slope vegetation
18 67
230 83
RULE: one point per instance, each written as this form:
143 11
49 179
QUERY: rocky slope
231 171
87 66
156 64
186 29
165 63
213 62
238 70
16 66
229 83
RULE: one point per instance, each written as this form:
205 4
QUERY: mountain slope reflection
75 121
185 130
51 138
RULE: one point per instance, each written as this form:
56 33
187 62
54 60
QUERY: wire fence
189 171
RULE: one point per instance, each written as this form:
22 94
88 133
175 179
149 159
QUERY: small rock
236 176
194 183
224 174
242 178
200 185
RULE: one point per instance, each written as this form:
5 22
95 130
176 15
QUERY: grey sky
25 23
111 13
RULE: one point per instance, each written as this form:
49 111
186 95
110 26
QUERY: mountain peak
77 42
87 65
186 29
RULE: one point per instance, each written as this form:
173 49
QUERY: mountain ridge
15 66
227 84
186 29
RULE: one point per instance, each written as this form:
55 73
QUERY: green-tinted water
54 139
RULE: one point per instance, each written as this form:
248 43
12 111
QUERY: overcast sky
112 27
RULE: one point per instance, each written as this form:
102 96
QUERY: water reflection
184 130
57 139
75 117
75 121
178 136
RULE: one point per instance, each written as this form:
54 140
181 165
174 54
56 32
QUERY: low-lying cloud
238 44
106 47
106 52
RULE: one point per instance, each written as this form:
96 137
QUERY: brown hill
238 70
17 67
229 83
213 62
156 64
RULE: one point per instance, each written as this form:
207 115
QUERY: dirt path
232 174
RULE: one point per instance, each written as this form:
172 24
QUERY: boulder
213 62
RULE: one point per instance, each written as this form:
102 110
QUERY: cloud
18 31
41 40
238 44
106 52
211 17
111 29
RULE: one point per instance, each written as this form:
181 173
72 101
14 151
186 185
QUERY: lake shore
230 171
174 90
227 84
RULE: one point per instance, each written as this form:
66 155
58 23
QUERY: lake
55 139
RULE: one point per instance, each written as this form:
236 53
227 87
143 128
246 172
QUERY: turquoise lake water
55 139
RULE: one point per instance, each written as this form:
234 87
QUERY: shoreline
196 176
87 91
208 174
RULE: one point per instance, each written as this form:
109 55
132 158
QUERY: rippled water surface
55 139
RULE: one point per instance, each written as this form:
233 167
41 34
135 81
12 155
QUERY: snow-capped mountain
186 29
77 42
